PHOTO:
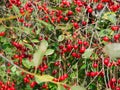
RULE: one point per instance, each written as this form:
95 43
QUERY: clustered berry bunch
59 45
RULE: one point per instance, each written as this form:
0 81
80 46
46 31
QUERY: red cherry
32 85
95 65
64 2
66 18
114 28
78 9
84 23
90 10
65 75
57 63
76 25
95 0
88 73
45 66
55 79
2 33
69 46
86 43
70 13
74 54
116 37
93 74
117 88
42 69
75 46
100 6
26 80
64 50
61 78
106 39
44 86
118 62
106 61
54 72
79 3
80 42
82 50
113 80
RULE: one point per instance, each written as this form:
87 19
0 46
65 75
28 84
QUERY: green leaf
61 38
48 26
35 40
49 52
64 27
38 80
112 50
83 66
38 31
77 88
111 16
38 55
27 30
28 64
88 52
24 29
44 78
13 69
2 29
104 32
15 9
60 87
29 46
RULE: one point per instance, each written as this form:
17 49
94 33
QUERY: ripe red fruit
118 62
84 23
26 80
45 66
64 50
90 10
2 33
80 42
92 74
76 25
69 46
44 86
61 78
66 18
78 9
65 75
55 79
75 46
32 85
54 72
74 54
116 37
57 63
16 56
105 38
70 13
64 2
106 61
113 80
82 49
117 88
79 3
115 28
95 65
99 6
86 43
42 69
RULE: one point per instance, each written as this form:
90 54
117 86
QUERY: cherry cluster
7 86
